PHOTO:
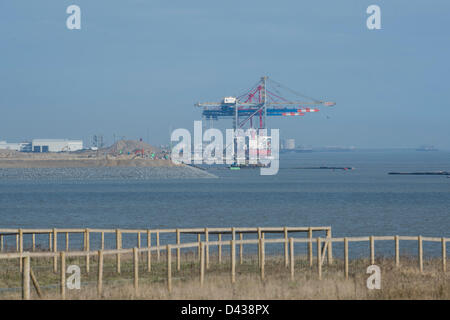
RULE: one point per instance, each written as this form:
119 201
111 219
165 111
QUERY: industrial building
289 144
12 146
56 145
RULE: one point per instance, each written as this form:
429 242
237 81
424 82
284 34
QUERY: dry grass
405 282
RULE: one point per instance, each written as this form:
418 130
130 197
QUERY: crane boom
260 101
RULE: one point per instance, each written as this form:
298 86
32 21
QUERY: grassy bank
405 282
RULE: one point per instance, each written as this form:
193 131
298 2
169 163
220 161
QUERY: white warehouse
11 146
56 145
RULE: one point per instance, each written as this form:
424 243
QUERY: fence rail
206 232
323 245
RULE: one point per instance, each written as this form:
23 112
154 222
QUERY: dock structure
250 110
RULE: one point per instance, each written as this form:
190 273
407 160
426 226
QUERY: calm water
364 201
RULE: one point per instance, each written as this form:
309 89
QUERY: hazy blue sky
139 66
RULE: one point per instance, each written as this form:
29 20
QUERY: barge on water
430 173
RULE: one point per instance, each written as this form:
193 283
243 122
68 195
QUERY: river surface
360 202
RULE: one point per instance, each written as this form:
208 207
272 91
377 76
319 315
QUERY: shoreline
83 163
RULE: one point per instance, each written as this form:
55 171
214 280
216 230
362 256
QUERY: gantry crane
262 100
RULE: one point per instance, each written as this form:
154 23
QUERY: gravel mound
130 146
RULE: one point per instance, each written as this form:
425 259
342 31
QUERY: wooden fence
205 232
324 251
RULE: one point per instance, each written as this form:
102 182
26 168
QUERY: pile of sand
130 146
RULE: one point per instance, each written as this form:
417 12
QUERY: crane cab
229 100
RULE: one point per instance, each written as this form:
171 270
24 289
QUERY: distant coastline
124 153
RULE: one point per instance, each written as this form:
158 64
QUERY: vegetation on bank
404 282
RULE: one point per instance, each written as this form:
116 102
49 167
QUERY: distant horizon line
309 147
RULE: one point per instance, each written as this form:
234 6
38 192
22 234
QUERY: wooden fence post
291 247
233 261
397 251
20 248
55 250
149 253
372 250
330 247
169 267
100 273
310 247
102 247
178 251
233 234
324 250
419 239
1 243
202 263
33 242
199 240
118 247
346 258
17 242
20 240
444 255
67 241
259 247
319 262
263 254
286 252
62 274
87 250
26 292
36 284
136 270
139 240
219 247
158 251
50 242
207 248
241 249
